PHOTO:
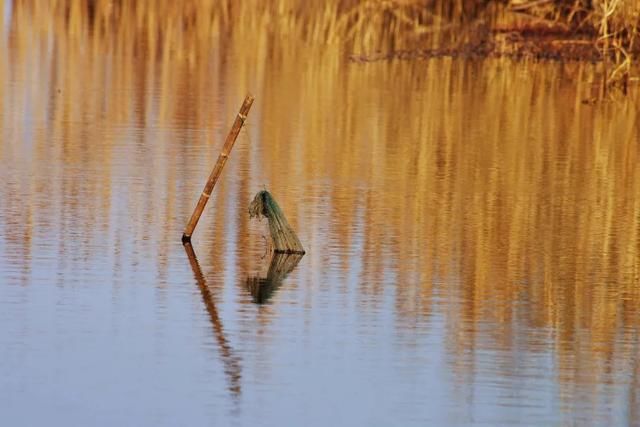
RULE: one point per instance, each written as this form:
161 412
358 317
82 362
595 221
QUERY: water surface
472 229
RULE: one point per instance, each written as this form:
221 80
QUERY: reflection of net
283 237
263 287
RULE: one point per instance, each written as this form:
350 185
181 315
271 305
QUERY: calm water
473 237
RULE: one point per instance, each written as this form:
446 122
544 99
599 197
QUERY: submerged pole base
186 239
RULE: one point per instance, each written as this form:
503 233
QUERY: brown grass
615 25
356 25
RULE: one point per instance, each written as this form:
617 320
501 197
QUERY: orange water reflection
481 191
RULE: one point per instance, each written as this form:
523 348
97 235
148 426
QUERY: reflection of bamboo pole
231 361
217 169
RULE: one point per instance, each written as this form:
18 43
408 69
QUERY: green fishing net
284 238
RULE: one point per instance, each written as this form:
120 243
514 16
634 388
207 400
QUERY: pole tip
186 239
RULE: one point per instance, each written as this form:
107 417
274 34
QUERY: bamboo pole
217 169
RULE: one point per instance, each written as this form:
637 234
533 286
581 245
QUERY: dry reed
165 26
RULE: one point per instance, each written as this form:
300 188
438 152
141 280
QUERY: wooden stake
217 169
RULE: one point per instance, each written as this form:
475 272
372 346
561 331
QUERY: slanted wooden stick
217 169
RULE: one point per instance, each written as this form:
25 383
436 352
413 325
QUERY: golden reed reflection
487 184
